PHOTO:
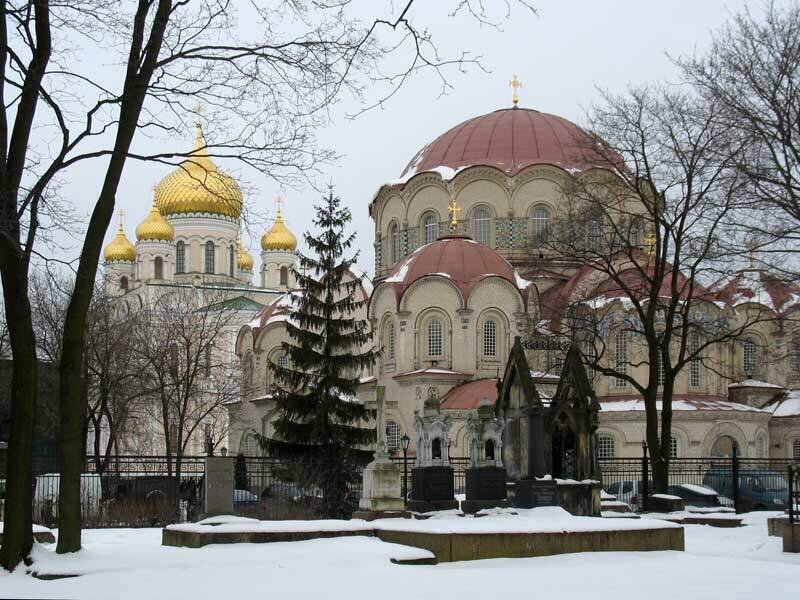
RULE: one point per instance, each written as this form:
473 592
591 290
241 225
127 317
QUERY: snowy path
729 563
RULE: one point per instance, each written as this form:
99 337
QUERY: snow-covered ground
131 563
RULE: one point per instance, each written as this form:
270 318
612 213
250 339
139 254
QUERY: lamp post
404 441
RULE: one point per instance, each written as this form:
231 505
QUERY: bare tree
185 368
751 74
267 96
649 235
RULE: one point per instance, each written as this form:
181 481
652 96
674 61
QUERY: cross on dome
516 84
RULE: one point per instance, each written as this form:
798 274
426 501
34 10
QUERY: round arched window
482 226
723 447
430 228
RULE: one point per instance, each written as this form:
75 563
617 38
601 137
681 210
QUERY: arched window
430 228
621 357
796 449
249 446
173 438
231 262
435 339
489 338
392 435
749 356
123 283
794 358
594 233
158 268
694 365
283 361
173 360
180 257
284 276
540 226
761 445
606 447
673 447
390 343
591 357
209 257
394 242
482 226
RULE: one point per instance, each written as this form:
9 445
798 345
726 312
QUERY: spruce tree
319 425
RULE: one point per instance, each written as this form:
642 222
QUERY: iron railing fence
126 491
460 464
744 484
793 478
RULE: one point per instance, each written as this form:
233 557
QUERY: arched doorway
563 445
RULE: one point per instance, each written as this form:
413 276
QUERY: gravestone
432 476
552 432
219 485
381 494
486 476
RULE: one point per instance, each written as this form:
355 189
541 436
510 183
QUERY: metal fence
460 464
744 484
127 491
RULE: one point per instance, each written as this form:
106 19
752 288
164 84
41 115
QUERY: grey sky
561 56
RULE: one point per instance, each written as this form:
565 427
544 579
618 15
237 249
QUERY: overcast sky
562 56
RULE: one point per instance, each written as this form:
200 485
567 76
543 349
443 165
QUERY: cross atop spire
121 219
515 83
279 200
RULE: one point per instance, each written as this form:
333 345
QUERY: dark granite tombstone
486 477
432 477
552 434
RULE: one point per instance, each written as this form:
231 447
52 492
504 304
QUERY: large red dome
510 140
459 259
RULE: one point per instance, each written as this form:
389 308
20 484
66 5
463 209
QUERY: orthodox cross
751 253
650 243
516 84
121 219
453 209
278 206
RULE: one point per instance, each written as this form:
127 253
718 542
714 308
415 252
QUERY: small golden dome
279 237
120 249
244 262
198 186
154 227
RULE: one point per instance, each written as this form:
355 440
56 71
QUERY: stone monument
486 476
549 442
432 477
218 489
381 494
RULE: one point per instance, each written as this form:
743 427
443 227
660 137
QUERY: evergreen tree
319 427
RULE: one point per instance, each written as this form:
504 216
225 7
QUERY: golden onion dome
154 227
244 262
120 249
198 186
279 237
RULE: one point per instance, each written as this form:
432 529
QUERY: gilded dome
198 186
244 262
279 237
154 227
120 249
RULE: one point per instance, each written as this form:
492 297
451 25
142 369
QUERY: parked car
45 496
759 489
244 498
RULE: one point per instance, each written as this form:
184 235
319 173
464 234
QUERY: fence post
735 477
645 491
792 473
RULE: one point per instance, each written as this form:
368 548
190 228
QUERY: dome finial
121 219
516 84
279 200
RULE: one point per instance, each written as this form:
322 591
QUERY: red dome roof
511 139
459 259
470 395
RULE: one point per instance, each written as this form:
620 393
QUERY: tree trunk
651 412
665 446
17 532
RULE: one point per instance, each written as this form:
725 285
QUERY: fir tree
319 426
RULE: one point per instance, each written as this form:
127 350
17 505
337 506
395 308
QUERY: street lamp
404 441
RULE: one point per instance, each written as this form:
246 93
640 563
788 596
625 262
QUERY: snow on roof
682 404
522 283
544 375
786 406
432 371
755 383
